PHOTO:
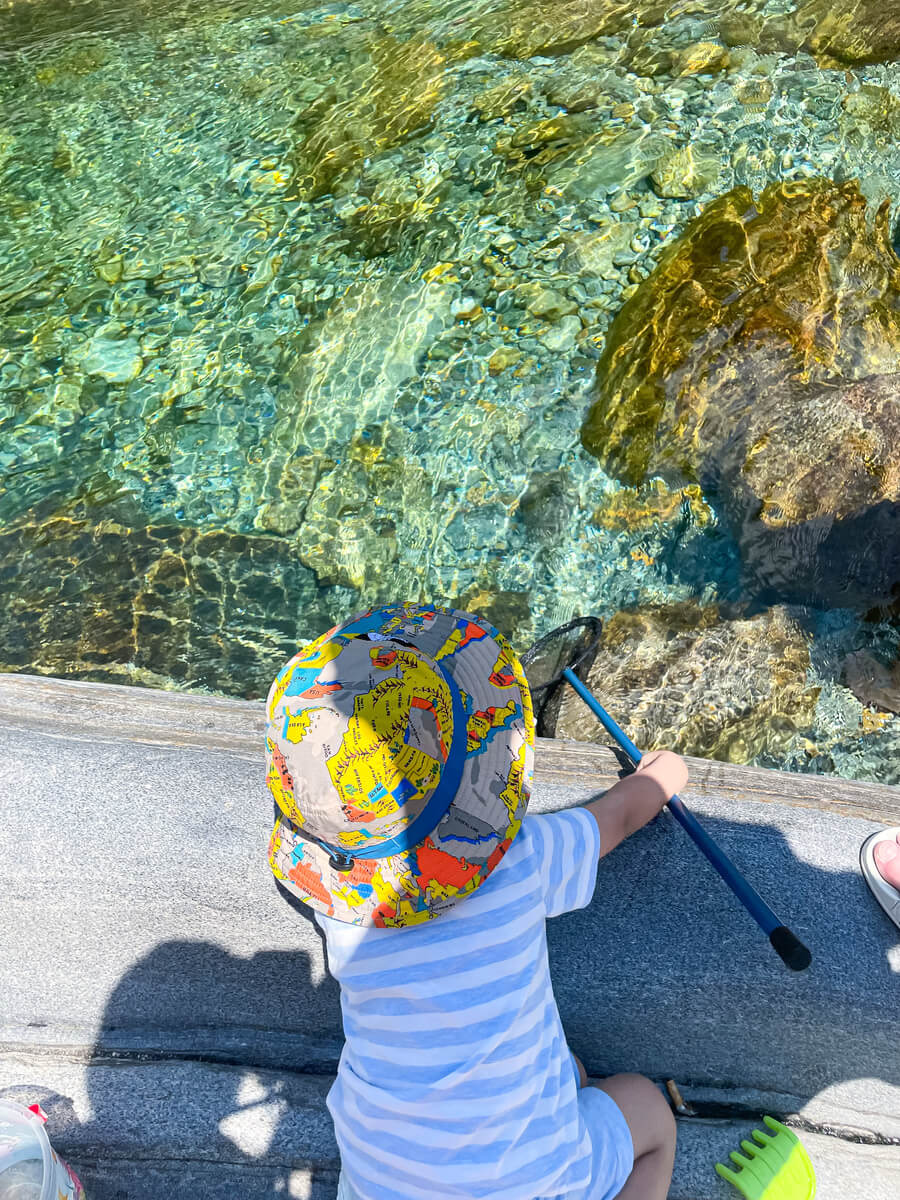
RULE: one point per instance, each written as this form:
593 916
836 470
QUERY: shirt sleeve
567 849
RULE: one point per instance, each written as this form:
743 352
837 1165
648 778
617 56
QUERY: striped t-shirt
455 1080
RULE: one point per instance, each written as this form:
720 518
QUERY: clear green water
301 308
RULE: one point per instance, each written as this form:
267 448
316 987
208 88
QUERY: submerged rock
110 598
72 60
638 509
849 31
503 357
870 117
562 337
358 355
761 360
512 93
525 28
115 361
595 253
510 612
386 98
703 58
871 682
681 677
545 302
342 512
836 32
610 161
685 172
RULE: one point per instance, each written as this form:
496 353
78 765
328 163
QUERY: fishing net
573 646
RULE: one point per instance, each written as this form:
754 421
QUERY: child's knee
645 1109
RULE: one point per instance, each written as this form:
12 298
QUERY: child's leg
581 1071
652 1129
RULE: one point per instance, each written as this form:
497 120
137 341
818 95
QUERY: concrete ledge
177 1012
111 712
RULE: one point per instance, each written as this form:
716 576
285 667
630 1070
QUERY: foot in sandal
879 858
887 860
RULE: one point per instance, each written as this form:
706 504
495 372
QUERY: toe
887 860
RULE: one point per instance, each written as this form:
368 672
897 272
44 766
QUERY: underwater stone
114 361
611 162
348 535
561 337
622 203
380 104
547 506
291 492
703 58
533 148
871 117
593 254
761 359
739 29
545 302
648 507
872 682
754 93
681 677
507 611
835 32
686 172
849 31
72 60
586 81
361 351
466 308
110 598
546 28
503 357
502 99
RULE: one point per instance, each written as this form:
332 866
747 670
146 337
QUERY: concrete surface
175 1015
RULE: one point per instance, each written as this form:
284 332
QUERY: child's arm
636 799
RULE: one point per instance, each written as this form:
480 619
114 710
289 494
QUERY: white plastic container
30 1169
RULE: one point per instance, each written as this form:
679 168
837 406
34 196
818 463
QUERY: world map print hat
400 754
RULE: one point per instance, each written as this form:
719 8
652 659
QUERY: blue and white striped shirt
455 1080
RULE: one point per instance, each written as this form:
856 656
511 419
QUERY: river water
302 308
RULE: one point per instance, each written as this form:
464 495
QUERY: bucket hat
400 750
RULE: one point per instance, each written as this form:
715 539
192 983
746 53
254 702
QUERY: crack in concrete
704 1111
721 1113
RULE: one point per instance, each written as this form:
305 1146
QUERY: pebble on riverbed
114 361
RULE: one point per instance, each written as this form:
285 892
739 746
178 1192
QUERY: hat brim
484 817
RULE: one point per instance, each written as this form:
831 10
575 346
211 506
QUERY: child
400 749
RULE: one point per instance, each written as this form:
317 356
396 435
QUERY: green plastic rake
772 1168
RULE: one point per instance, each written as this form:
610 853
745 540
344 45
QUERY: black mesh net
573 646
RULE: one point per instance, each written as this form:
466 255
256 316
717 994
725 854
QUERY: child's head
400 748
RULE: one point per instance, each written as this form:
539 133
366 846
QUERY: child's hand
636 799
669 770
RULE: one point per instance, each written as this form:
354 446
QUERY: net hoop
594 624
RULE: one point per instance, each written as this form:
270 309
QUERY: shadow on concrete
226 1081
665 971
664 974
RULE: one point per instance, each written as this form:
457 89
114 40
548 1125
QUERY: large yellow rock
761 360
